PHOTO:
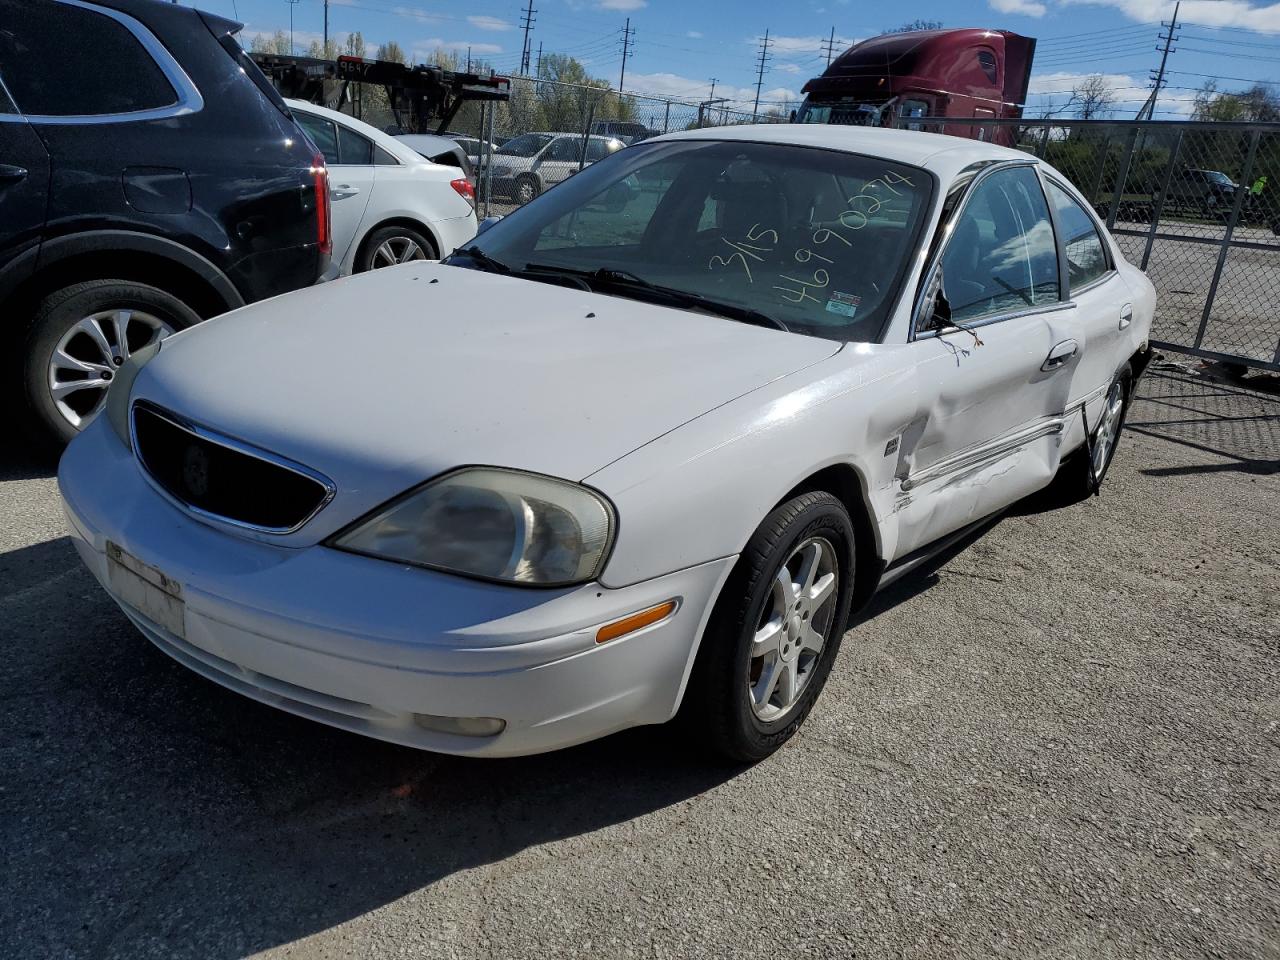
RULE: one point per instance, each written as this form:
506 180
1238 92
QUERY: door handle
9 172
1059 355
342 191
1126 315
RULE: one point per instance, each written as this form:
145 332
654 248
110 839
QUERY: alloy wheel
793 628
88 355
1104 440
397 250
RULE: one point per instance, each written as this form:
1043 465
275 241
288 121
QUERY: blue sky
681 45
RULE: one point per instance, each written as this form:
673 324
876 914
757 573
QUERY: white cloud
694 34
622 4
695 91
790 46
489 23
1028 8
410 13
787 68
423 49
1209 13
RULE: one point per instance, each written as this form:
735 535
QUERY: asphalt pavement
1061 740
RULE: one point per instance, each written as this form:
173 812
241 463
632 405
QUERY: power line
764 59
527 21
628 38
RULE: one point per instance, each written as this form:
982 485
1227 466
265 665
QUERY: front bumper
365 645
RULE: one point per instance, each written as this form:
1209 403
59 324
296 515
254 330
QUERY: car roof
400 151
566 133
943 153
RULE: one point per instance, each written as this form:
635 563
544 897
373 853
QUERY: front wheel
527 188
775 631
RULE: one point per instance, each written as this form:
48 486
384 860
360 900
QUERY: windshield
816 240
846 113
525 145
1217 176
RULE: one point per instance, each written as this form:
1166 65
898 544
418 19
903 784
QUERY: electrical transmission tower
1148 110
763 61
829 46
526 21
628 41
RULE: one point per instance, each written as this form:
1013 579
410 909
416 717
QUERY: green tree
277 43
1257 104
325 51
391 51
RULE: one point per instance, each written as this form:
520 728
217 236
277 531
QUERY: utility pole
538 71
1148 111
468 59
326 29
628 38
292 4
527 20
713 89
764 59
830 46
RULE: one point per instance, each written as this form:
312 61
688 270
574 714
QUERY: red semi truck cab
887 80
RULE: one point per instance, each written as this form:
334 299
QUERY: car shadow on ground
150 812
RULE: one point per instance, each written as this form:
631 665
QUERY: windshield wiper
695 301
483 260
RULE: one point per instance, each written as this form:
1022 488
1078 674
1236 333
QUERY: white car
526 165
645 445
388 203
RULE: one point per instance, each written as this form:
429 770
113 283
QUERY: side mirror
486 223
933 310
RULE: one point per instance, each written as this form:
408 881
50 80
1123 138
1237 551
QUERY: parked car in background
150 178
528 164
755 373
1208 192
390 204
474 148
443 150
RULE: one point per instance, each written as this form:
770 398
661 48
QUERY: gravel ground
1062 740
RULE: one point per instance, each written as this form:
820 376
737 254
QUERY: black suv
150 177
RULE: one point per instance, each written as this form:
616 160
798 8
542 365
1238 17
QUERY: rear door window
67 61
1086 255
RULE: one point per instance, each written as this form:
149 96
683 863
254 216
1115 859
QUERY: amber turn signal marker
620 628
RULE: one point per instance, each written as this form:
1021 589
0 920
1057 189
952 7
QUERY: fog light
461 726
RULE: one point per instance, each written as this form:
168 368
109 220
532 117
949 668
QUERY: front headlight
492 523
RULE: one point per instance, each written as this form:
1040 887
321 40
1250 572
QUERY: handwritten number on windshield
747 248
820 280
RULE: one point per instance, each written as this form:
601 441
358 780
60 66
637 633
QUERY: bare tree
917 25
392 52
1094 98
277 43
1259 103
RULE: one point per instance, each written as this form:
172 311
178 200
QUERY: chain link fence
1195 205
549 130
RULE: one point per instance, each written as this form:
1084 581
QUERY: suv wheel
387 246
76 342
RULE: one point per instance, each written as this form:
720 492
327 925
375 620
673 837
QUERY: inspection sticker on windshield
845 304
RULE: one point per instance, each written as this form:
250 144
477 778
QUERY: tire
527 189
1075 481
148 313
727 706
388 246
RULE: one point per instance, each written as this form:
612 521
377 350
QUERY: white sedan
389 204
708 395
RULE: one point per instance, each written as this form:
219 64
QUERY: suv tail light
320 179
465 189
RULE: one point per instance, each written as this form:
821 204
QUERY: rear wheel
775 631
527 188
388 246
1083 472
78 339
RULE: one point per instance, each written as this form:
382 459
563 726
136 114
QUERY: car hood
384 380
